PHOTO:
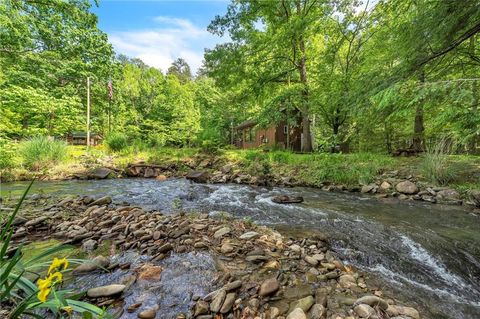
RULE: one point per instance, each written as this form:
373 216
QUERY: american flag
110 89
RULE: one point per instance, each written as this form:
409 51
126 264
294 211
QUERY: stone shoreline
260 272
212 170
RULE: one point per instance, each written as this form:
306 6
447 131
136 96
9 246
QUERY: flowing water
429 255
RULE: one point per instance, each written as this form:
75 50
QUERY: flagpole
88 111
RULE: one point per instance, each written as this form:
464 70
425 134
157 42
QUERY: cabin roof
246 124
82 134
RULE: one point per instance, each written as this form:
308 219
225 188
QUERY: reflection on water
428 253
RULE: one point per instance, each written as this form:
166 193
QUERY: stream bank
201 265
427 255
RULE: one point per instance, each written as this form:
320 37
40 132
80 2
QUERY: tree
269 48
46 51
181 70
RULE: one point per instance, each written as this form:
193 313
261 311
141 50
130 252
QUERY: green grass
116 141
314 169
41 152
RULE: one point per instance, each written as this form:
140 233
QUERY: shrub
210 147
116 141
40 152
6 155
435 166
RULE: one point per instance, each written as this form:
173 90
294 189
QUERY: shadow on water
427 254
183 276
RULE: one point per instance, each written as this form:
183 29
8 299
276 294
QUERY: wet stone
269 286
105 291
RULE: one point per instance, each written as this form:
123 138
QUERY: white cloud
169 39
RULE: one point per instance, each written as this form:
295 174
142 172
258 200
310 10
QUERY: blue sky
160 31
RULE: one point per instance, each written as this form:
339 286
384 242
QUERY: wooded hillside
364 75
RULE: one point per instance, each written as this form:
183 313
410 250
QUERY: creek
427 255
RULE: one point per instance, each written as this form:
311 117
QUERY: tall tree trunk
472 149
418 127
302 67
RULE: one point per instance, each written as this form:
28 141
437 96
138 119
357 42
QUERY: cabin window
249 135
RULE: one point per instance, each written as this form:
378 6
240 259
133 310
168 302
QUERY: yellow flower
57 276
43 294
44 285
57 265
68 309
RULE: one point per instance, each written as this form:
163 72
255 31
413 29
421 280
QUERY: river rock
19 220
36 221
347 281
149 172
406 311
201 308
105 291
94 264
227 248
105 200
448 194
407 187
318 311
99 173
298 291
228 303
285 199
364 311
149 313
217 301
312 261
475 197
296 248
372 301
221 232
297 314
385 186
269 287
89 245
165 248
273 313
232 285
198 176
367 188
305 303
249 235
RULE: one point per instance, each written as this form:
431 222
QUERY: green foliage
435 165
6 155
315 169
116 141
210 147
40 152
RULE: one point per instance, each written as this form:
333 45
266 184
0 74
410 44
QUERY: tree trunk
472 149
418 127
302 67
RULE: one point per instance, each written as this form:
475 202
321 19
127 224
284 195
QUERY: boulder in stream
99 173
198 176
285 199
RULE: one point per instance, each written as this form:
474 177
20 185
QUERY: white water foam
401 280
420 254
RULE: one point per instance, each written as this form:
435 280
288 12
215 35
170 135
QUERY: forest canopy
361 75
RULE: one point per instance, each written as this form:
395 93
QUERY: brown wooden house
80 138
250 135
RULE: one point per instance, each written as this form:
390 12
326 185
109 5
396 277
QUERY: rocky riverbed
255 271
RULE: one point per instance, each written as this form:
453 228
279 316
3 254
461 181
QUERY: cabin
80 138
250 135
